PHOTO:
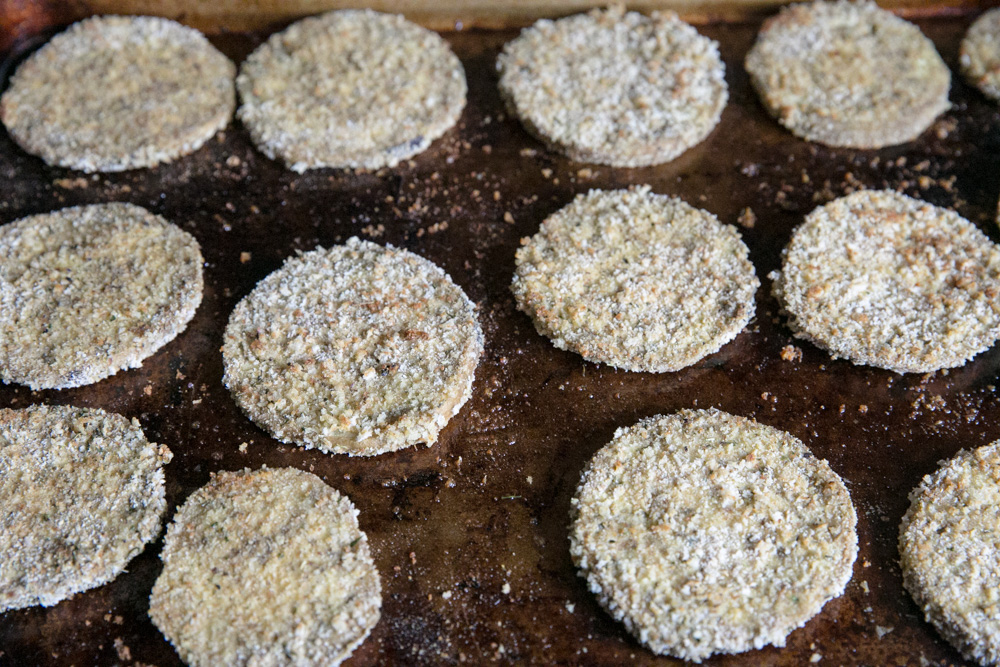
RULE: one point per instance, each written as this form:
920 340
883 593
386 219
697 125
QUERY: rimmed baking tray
470 535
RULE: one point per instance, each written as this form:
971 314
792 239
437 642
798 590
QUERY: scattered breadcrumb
72 183
123 651
791 353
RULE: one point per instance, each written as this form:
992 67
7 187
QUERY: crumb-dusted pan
470 535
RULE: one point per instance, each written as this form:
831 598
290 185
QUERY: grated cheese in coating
90 290
949 547
707 533
266 568
890 281
360 349
979 54
848 74
636 280
615 88
81 494
119 92
350 88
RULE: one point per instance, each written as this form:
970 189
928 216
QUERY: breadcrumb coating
636 280
266 568
949 548
81 494
890 281
350 88
615 88
88 291
979 54
849 74
360 349
119 92
708 533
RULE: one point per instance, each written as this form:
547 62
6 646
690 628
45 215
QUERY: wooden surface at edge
243 15
20 19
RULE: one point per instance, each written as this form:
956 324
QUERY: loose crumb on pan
615 88
266 567
890 281
82 494
91 290
791 353
350 88
119 92
636 280
979 54
848 74
708 533
360 349
949 548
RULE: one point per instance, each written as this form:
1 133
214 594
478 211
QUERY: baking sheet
453 526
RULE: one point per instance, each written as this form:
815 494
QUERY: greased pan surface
470 536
